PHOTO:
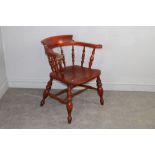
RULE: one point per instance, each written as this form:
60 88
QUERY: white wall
3 80
127 59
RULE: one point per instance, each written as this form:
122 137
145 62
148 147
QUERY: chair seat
76 75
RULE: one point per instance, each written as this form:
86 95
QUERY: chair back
56 59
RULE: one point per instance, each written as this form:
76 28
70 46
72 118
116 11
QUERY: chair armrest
87 44
58 57
76 43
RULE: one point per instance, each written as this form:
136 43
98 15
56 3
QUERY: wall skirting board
41 83
3 88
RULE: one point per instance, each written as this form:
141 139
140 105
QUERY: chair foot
46 92
69 105
100 90
42 103
69 110
102 101
69 119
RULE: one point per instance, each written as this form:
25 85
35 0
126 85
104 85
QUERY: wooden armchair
72 76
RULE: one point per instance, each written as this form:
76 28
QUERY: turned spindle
73 56
83 56
91 58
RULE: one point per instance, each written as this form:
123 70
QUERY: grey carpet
19 108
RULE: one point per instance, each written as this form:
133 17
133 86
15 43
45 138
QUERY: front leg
46 91
69 104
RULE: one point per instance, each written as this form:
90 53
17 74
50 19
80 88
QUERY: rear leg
100 90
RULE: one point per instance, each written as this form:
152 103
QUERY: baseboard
41 83
33 83
3 88
129 87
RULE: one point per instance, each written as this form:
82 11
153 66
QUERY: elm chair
72 76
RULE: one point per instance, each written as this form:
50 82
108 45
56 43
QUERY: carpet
19 109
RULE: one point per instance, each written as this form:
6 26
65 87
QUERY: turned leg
46 91
100 90
69 104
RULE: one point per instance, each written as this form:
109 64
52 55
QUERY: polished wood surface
74 75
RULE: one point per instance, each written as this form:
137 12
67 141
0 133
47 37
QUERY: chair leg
46 91
69 105
100 90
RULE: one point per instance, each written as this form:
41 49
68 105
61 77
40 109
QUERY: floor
19 108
